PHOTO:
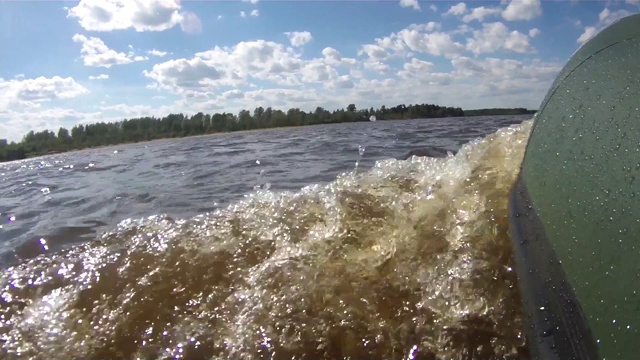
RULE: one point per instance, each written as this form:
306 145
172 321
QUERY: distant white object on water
372 118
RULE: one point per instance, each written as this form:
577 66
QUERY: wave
410 259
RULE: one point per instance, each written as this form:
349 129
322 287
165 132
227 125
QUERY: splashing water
410 259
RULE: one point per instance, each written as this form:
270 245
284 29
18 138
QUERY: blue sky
70 62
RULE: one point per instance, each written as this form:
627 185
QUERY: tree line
498 111
180 125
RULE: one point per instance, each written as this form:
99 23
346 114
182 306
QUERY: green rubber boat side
575 207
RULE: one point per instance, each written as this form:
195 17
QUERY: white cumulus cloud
496 36
255 12
40 89
98 77
410 3
331 55
457 9
96 53
374 52
522 10
141 15
414 67
480 13
237 66
436 43
605 18
157 53
299 38
422 38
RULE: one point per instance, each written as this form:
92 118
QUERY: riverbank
138 130
115 146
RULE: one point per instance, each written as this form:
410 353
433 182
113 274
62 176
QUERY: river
302 243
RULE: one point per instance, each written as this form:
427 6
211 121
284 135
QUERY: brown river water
305 243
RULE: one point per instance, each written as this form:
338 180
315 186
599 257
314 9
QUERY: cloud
496 36
505 73
433 8
515 10
374 52
480 13
342 82
457 9
605 18
589 32
420 72
254 13
522 10
428 39
299 38
377 66
232 67
422 39
96 53
40 89
157 53
99 77
232 94
251 1
534 32
331 55
141 15
415 68
219 17
410 3
190 23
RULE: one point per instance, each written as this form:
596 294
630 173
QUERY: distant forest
180 125
499 111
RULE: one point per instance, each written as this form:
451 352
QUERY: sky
64 63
